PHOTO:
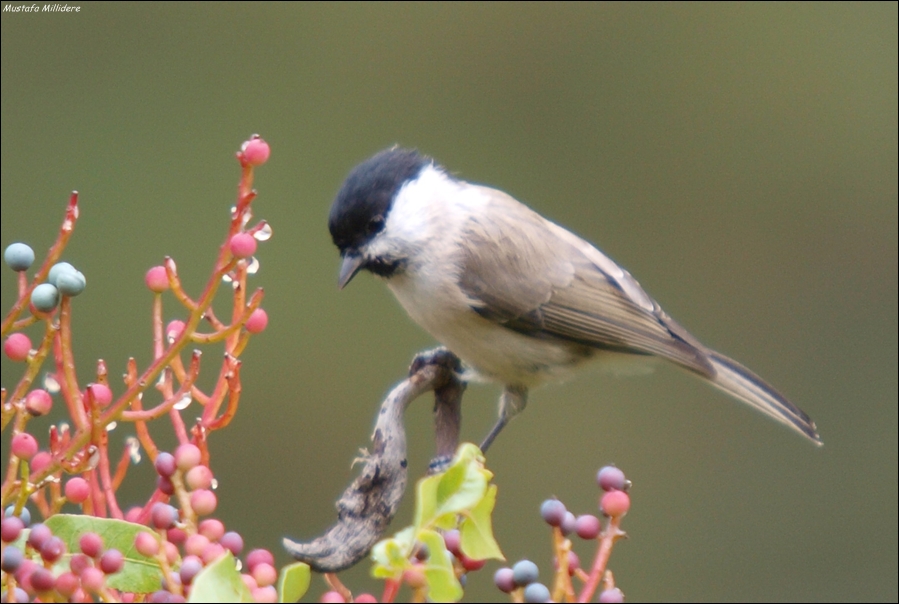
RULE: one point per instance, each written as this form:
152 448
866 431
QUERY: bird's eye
375 225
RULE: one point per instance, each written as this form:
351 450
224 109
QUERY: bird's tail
739 382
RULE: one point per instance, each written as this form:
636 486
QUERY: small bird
518 298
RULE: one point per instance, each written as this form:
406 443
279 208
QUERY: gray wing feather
534 277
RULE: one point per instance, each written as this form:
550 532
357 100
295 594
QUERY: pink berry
146 544
615 503
267 594
42 580
91 544
365 599
66 584
249 581
187 456
174 330
39 535
101 393
77 490
587 526
332 597
211 528
255 151
11 528
24 446
133 514
176 536
112 561
611 596
195 544
40 461
79 562
259 556
38 402
212 552
92 579
453 541
199 477
257 322
157 279
203 502
53 549
17 346
265 574
242 245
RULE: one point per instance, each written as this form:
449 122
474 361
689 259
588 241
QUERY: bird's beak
352 264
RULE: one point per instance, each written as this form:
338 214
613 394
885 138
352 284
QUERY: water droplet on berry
253 266
133 446
51 384
264 233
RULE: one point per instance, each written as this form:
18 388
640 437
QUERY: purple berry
453 541
165 464
568 523
553 512
189 569
504 579
587 526
12 559
232 542
42 579
610 478
163 516
112 561
39 535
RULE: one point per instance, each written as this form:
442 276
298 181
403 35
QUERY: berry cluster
156 551
521 579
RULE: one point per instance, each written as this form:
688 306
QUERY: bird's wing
535 277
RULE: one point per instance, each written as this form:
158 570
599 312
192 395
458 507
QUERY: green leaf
140 574
293 582
458 489
442 583
391 556
220 582
476 531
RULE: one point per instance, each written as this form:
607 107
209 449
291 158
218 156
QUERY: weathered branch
370 502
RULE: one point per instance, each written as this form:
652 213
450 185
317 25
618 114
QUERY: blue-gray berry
536 592
57 269
525 572
45 297
70 284
19 256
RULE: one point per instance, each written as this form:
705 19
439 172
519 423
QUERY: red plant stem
158 341
65 232
66 362
234 389
121 469
607 540
391 588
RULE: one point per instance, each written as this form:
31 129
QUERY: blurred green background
740 160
